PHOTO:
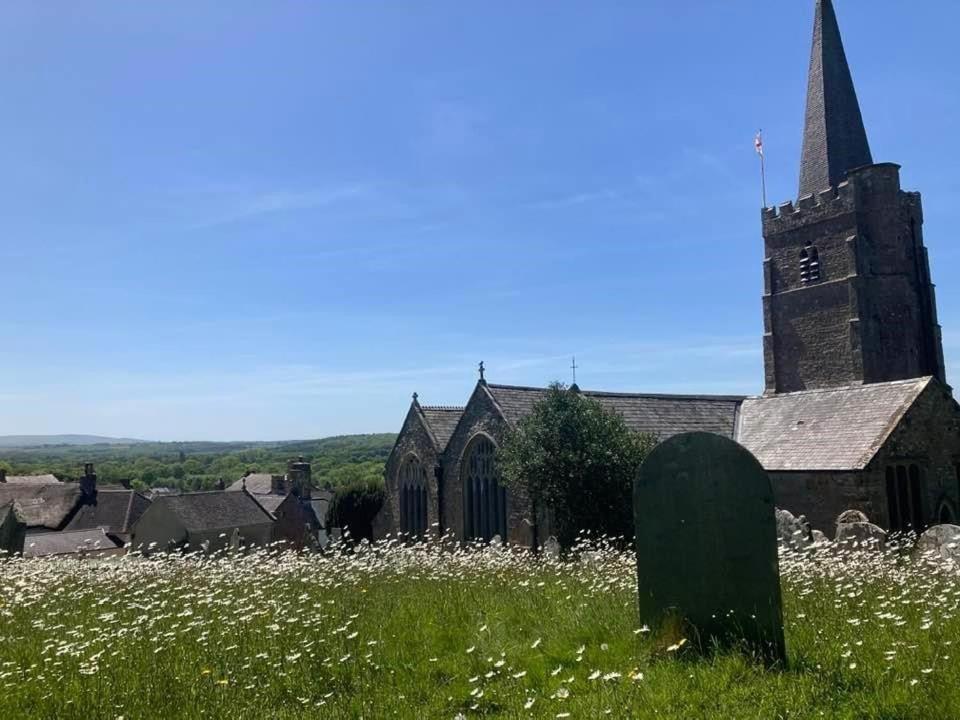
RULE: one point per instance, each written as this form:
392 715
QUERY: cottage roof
256 483
828 429
32 479
42 505
661 415
113 510
270 503
214 510
442 421
67 542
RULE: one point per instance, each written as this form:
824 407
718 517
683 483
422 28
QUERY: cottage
204 521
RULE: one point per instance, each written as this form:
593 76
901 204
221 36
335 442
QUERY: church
856 412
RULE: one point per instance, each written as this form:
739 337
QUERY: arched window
809 264
413 498
484 498
945 515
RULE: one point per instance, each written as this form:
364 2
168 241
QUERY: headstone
13 530
861 536
793 532
942 541
551 548
850 516
707 545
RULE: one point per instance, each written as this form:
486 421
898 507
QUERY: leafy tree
355 506
577 458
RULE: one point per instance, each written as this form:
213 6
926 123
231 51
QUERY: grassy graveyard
419 633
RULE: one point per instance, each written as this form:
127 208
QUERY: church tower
847 291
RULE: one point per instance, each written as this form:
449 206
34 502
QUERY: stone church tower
847 292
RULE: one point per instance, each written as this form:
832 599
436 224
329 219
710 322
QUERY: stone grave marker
706 537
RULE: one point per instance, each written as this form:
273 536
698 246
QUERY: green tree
355 506
577 458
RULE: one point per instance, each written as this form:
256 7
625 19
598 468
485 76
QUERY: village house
203 522
105 513
856 412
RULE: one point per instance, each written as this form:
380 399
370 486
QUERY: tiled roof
442 422
256 483
214 510
830 429
42 505
66 542
32 480
113 510
660 415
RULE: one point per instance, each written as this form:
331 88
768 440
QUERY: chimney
220 484
3 475
277 485
88 483
298 473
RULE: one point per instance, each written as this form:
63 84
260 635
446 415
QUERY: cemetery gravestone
12 530
706 538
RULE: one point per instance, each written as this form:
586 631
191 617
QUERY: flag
758 143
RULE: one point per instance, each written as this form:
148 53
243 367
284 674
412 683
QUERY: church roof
661 415
442 421
834 139
828 429
216 510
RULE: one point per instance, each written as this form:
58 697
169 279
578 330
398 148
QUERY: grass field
420 633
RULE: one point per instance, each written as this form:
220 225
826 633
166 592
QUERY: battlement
869 180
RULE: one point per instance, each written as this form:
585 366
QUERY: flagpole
758 143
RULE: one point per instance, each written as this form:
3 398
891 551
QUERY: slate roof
42 505
834 139
442 421
66 543
270 503
829 429
114 510
214 510
661 415
257 483
32 480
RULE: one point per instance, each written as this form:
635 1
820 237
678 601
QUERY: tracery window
485 499
413 498
809 264
905 498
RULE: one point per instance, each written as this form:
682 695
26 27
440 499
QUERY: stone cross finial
482 371
415 397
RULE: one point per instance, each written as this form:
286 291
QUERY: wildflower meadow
426 631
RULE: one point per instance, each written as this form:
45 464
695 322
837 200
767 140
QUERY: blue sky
270 220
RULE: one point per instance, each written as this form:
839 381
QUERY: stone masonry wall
414 440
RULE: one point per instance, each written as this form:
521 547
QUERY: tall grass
419 632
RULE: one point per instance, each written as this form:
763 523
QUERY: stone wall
414 440
480 418
821 496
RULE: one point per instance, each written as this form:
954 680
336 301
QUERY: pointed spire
834 139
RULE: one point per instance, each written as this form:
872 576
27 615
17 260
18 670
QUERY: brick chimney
298 475
88 483
278 485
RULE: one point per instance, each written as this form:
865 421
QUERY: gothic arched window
484 498
905 498
809 264
413 498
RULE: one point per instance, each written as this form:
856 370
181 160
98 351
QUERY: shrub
355 505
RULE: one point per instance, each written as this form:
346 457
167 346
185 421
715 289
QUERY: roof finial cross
482 371
574 367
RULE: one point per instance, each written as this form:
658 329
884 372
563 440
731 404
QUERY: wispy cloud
245 205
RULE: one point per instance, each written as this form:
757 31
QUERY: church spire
834 139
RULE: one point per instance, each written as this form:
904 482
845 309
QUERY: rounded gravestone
706 537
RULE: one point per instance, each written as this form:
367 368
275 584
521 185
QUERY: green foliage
579 459
356 505
199 465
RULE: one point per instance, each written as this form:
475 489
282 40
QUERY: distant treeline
339 461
